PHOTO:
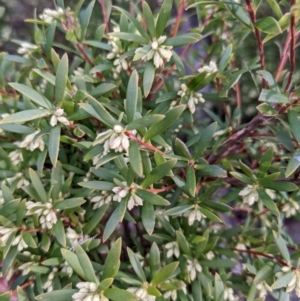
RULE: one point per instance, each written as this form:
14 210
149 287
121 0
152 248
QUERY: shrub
121 181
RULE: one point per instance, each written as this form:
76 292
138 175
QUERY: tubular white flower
2 201
194 215
19 241
229 294
58 117
134 200
193 267
209 69
16 156
88 291
192 97
249 194
100 200
172 249
158 52
290 208
5 233
49 15
31 143
141 294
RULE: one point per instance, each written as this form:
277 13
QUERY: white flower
121 193
5 233
45 211
134 200
26 47
58 117
194 215
141 294
158 52
31 143
193 266
172 249
294 284
263 289
229 294
67 269
88 291
172 294
249 194
290 208
18 240
16 156
79 72
49 15
2 201
192 97
72 235
209 69
48 285
100 200
210 255
21 180
241 246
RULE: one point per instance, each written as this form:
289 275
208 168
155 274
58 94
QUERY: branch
292 48
178 19
258 38
104 14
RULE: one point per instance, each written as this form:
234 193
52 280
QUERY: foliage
118 179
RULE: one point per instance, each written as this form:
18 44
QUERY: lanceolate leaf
24 116
61 78
53 147
148 217
135 158
132 96
163 17
112 262
165 273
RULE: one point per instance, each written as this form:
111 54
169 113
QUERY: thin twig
292 48
218 80
104 14
158 190
258 38
178 18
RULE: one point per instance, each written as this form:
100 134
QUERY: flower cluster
5 233
141 294
49 15
19 241
100 200
194 215
193 267
16 156
290 208
88 291
294 284
48 285
115 139
157 51
58 117
121 193
31 143
45 211
115 54
193 97
172 249
229 294
249 194
209 69
26 47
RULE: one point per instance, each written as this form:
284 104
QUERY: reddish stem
258 38
292 48
158 190
104 14
178 19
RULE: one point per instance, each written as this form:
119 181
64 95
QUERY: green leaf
182 149
283 281
178 210
267 201
38 186
268 25
154 259
191 181
158 172
183 243
293 164
58 295
275 7
102 89
24 116
59 232
61 78
106 283
85 17
86 265
16 128
225 58
69 203
204 140
218 263
73 261
181 40
101 111
112 261
136 265
165 273
132 96
161 126
148 78
135 158
211 170
148 16
130 37
163 17
33 95
241 177
294 124
116 294
152 198
264 273
239 13
53 146
272 96
114 220
281 186
98 185
144 121
95 220
148 217
22 296
282 246
266 110
270 80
